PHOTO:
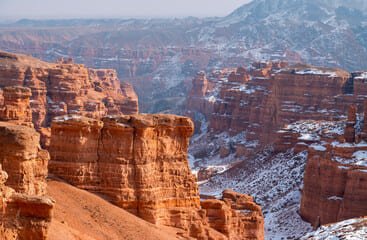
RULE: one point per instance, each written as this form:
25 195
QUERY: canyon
291 120
160 56
269 144
272 115
137 162
259 101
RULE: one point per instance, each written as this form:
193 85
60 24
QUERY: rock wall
139 162
15 106
23 159
235 215
259 100
66 88
23 216
335 176
26 211
333 191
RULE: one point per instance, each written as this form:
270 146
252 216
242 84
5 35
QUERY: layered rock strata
236 215
26 212
15 106
66 88
334 189
140 163
23 159
335 176
259 100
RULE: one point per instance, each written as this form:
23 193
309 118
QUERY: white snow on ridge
335 198
66 118
311 129
362 76
309 137
313 71
318 147
359 158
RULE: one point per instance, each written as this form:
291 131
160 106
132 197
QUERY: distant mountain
158 55
322 32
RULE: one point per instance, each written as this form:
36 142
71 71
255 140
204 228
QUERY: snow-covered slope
353 229
274 179
275 183
321 32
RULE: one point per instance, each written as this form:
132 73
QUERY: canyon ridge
249 126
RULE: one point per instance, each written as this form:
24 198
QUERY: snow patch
314 71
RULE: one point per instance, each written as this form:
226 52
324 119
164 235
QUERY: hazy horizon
66 9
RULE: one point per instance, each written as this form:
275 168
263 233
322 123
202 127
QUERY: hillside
80 215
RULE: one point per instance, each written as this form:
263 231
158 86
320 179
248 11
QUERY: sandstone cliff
15 106
64 87
23 159
139 162
333 191
26 212
334 188
259 100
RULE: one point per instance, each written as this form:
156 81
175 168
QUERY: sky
55 9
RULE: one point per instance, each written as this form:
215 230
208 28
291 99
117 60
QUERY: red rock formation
23 159
240 76
223 217
146 163
350 131
26 212
334 182
199 85
333 191
64 87
195 101
16 106
276 95
364 128
140 163
23 216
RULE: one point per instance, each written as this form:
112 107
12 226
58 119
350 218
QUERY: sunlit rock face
65 88
139 162
26 211
15 106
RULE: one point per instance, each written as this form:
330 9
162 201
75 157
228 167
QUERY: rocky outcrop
235 215
260 100
26 212
15 106
66 88
335 176
333 190
23 216
350 128
139 162
23 159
